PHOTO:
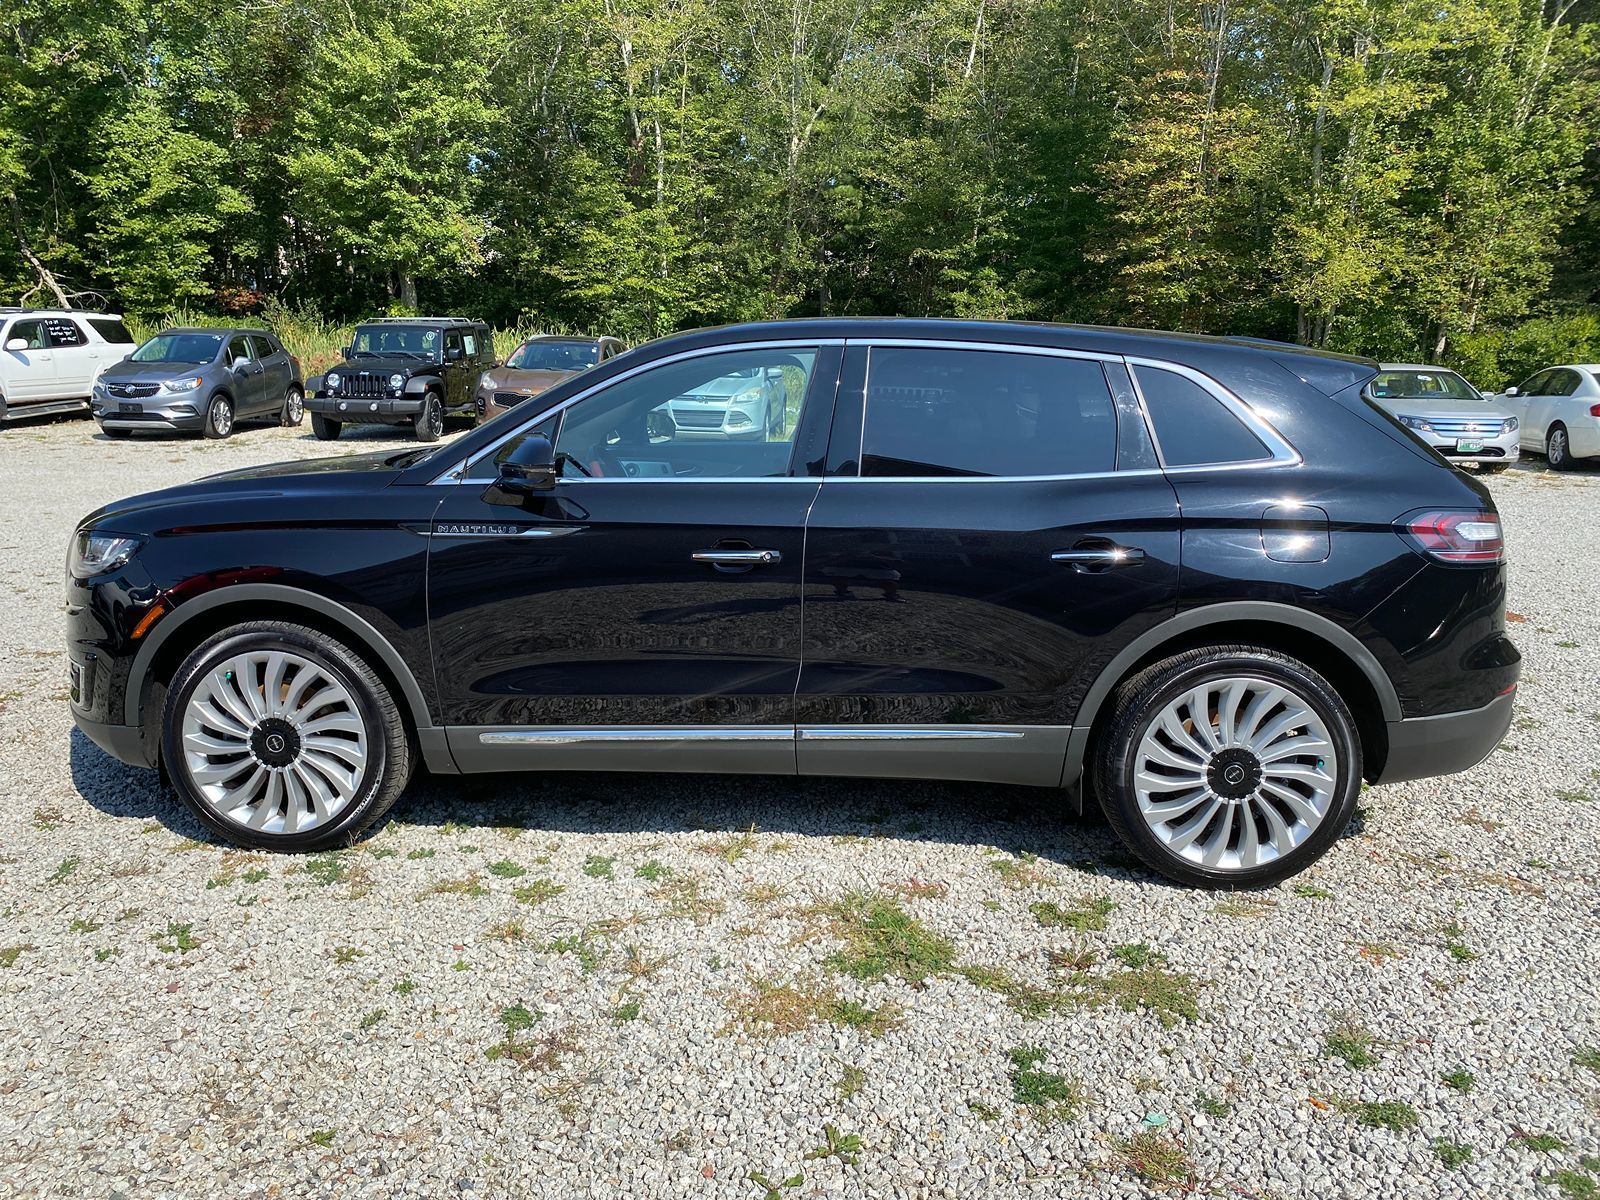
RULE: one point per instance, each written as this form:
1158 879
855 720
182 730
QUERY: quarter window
1193 427
112 330
1562 383
947 412
472 345
262 346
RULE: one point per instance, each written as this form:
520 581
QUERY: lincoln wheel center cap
1234 774
275 743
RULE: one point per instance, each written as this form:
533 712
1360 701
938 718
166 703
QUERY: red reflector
1505 691
1456 536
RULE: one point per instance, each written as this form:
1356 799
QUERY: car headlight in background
188 384
97 553
1417 423
1510 425
397 381
332 381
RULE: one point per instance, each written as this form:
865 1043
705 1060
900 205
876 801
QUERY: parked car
416 371
200 381
1448 413
1205 582
750 405
1559 408
50 358
538 365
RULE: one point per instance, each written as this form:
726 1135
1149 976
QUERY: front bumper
181 415
122 742
366 410
1420 747
1503 448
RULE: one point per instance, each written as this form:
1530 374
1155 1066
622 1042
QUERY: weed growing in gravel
46 820
628 1010
1573 1184
730 850
1156 1158
541 1054
506 869
587 946
1167 995
1587 1057
325 870
1311 891
84 925
1455 943
846 1147
381 852
1378 952
176 939
63 871
762 893
987 1113
344 955
652 870
1349 1041
599 866
883 939
1461 1080
1019 872
783 1008
683 896
774 1191
1245 906
1544 1143
1394 1115
415 855
537 891
470 886
372 1018
10 954
1137 955
508 931
1211 1106
851 1081
919 889
1453 1154
1052 1097
405 987
322 1137
108 952
1087 916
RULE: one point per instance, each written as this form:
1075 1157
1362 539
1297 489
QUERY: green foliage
882 939
1052 1097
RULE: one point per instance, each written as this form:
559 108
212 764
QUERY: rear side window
64 332
112 330
985 413
263 345
1193 427
1563 383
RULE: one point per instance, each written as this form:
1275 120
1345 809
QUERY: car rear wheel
430 421
1228 766
1557 449
294 407
219 417
324 428
277 736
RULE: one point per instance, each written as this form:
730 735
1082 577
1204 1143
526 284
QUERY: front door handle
1099 557
738 558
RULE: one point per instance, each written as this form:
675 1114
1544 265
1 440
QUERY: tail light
1457 536
1594 410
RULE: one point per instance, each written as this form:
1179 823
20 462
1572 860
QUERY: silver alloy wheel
296 406
1556 452
221 417
273 742
1235 773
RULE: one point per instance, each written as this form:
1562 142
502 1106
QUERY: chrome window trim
1282 454
451 476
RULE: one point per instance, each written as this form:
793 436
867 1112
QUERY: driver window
729 415
239 350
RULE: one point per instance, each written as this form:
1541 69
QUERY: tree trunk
46 279
407 289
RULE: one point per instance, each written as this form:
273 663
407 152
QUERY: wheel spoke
1306 744
1232 696
1168 783
1194 826
272 682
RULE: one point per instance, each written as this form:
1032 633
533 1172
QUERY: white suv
50 358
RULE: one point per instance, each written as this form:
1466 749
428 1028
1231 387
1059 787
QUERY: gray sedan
201 381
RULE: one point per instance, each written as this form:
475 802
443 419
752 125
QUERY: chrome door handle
1104 556
737 558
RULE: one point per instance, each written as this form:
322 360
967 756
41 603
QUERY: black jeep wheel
325 428
430 421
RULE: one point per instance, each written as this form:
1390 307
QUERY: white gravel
328 1030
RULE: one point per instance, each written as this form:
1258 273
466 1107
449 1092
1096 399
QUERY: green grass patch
537 891
1087 916
1050 1096
881 939
1454 1155
599 866
505 869
1156 1158
1462 1080
1394 1115
652 871
1351 1043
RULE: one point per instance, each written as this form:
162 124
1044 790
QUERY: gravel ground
673 986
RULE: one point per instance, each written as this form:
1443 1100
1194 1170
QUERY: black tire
219 418
429 423
294 407
389 761
1493 468
326 429
1139 701
1558 448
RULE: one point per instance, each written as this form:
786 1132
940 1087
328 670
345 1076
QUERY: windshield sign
179 348
1421 385
554 356
396 341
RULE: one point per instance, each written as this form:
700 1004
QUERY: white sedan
1448 413
1560 412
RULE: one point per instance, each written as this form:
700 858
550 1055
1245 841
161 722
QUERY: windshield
179 348
1421 385
395 341
554 356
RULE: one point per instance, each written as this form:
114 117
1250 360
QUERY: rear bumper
1420 747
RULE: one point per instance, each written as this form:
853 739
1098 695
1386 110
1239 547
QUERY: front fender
419 384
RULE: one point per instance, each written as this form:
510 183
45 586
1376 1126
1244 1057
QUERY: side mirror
17 344
1513 391
529 469
452 353
346 351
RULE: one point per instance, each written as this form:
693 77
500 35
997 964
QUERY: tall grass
306 333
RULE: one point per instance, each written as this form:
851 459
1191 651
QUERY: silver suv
201 380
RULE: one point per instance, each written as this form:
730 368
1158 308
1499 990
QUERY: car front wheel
1228 766
277 736
430 421
219 417
325 429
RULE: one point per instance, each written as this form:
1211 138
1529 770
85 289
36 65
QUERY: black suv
1203 581
415 371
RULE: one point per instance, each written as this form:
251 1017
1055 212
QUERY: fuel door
1295 533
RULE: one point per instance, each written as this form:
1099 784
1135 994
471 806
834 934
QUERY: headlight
97 553
332 381
183 385
397 381
1510 425
1416 423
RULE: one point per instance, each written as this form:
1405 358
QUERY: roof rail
426 320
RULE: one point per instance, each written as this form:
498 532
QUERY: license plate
129 408
1469 447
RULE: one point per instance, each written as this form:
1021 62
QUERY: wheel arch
186 627
1333 652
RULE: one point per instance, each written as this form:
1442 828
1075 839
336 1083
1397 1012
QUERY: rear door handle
738 558
1100 556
